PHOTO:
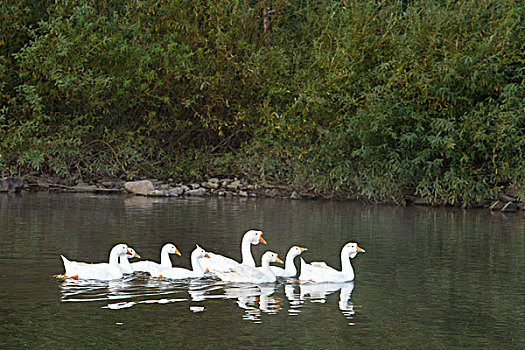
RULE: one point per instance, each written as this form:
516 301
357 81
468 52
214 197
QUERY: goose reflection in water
93 290
254 299
317 293
74 290
201 290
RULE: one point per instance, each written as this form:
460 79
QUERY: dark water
430 279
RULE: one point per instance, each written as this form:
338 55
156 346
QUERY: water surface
431 278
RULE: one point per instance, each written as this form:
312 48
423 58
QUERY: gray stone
221 193
213 180
158 193
243 194
234 186
195 186
143 187
108 184
196 192
185 188
175 192
213 185
156 183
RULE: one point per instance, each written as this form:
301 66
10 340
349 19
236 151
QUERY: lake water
430 278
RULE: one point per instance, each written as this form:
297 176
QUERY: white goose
100 271
249 274
320 272
165 261
124 264
289 267
180 272
218 262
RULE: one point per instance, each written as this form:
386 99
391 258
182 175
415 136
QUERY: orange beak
133 255
177 252
278 260
360 250
303 249
261 240
206 255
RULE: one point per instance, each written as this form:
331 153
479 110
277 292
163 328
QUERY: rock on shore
508 200
143 187
217 187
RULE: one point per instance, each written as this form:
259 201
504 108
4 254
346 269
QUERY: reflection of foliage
351 98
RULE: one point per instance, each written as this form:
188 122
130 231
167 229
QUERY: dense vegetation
378 99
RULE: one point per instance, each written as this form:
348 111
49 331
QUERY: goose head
131 253
296 251
198 252
271 257
351 249
171 249
120 250
255 237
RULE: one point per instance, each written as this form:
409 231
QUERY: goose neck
265 262
114 256
289 265
195 263
165 260
246 253
346 265
124 261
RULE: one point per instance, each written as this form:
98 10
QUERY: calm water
431 278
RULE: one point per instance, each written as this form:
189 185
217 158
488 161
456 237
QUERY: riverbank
355 101
507 200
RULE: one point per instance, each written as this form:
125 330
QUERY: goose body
218 262
321 272
182 273
165 261
124 264
101 271
289 267
250 274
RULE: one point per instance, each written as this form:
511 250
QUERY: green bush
373 99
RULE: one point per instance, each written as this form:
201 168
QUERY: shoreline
507 201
